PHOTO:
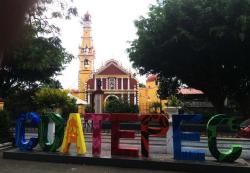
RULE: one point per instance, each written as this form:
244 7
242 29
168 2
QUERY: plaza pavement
20 166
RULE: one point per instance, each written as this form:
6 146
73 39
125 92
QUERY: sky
112 28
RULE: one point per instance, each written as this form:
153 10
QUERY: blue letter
187 136
20 131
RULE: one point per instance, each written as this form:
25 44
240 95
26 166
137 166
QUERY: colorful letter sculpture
97 127
178 136
74 134
116 134
43 132
224 156
147 131
20 131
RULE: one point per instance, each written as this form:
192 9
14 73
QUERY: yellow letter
74 134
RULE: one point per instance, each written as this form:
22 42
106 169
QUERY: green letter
225 156
43 132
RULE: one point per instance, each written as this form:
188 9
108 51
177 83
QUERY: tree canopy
203 43
33 61
38 13
115 105
35 55
48 99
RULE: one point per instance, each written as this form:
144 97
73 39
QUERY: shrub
174 101
5 134
156 107
89 109
115 105
49 100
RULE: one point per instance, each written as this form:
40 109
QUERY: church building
112 78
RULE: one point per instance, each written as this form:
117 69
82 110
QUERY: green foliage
114 105
141 85
168 86
69 107
48 100
134 109
43 11
5 134
156 107
89 109
20 101
32 62
51 98
203 43
39 14
174 101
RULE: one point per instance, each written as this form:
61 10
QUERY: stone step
5 145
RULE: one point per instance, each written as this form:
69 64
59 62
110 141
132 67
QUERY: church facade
114 81
112 78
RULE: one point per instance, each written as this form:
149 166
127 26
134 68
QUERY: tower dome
151 78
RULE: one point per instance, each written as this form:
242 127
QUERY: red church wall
131 99
90 83
104 83
133 83
119 83
125 83
112 70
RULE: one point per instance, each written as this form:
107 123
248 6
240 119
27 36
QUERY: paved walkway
19 166
157 151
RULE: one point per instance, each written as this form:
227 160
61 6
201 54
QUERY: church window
86 49
111 83
86 62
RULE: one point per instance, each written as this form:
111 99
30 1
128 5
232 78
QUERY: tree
203 43
40 15
167 86
15 13
114 105
174 101
48 100
89 109
33 62
5 134
142 85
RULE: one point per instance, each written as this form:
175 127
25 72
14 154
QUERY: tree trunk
1 58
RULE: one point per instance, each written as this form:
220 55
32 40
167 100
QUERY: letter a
74 134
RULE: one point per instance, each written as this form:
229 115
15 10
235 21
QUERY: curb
125 162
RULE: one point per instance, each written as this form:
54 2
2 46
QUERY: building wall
83 77
1 104
147 96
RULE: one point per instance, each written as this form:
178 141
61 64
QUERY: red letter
116 134
97 127
152 131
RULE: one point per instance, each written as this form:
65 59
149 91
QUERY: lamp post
98 98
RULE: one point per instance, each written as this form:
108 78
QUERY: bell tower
86 56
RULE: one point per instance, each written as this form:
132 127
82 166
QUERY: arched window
86 62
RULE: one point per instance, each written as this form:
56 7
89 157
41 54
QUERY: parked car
244 131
